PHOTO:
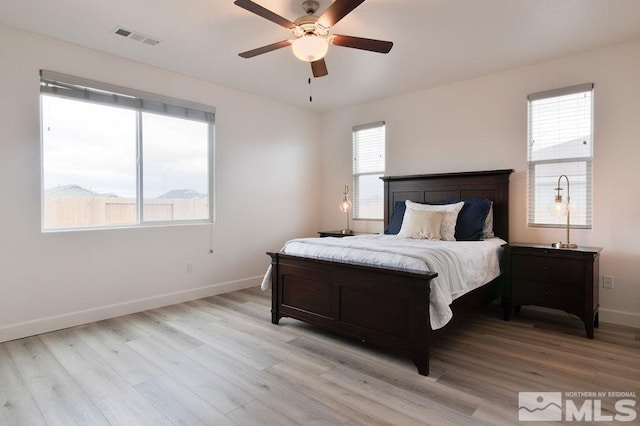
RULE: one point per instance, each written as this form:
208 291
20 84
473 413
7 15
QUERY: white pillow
421 224
487 231
448 226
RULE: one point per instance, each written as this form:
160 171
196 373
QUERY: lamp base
564 245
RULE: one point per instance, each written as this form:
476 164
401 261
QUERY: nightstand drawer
549 269
541 293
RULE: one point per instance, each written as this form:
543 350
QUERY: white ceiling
435 41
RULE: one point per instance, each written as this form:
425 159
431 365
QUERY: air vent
136 36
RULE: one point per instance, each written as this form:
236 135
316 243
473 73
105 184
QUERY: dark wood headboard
493 185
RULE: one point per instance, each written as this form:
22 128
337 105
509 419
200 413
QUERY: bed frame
385 307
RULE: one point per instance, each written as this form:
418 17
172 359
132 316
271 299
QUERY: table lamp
345 207
560 244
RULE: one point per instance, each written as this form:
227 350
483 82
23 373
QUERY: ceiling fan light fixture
310 47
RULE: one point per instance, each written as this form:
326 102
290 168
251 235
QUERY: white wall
481 124
266 160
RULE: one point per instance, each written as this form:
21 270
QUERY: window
560 142
114 157
368 168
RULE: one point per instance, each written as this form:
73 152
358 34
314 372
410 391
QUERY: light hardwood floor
219 361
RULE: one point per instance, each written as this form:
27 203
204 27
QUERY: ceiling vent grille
136 36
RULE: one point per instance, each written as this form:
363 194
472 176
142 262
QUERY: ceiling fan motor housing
310 6
309 25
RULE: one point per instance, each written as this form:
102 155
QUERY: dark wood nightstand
556 278
340 234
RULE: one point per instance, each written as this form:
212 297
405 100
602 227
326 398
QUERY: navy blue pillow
393 228
470 223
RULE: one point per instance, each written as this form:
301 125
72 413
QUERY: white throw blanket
461 265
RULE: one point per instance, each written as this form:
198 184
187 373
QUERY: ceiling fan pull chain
310 92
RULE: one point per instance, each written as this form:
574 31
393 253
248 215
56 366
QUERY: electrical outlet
607 282
189 267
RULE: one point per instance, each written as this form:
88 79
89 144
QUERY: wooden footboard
387 308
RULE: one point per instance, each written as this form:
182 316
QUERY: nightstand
340 234
556 278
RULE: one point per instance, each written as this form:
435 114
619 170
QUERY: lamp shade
310 47
345 205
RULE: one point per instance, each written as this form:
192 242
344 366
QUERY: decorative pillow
423 224
396 218
472 218
451 211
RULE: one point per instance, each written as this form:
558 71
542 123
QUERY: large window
368 168
117 157
560 142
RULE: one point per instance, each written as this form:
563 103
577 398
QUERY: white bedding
461 265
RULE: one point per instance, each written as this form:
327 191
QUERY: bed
387 307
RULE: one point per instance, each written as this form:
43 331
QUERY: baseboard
57 322
619 317
610 316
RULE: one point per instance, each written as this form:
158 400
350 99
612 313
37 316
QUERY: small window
560 142
368 168
114 157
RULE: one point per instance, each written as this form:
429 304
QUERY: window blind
560 142
368 167
72 87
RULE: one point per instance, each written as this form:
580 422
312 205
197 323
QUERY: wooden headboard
432 188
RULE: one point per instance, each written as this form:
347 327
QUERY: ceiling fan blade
265 13
319 68
369 44
338 10
265 49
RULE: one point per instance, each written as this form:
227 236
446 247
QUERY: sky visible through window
175 155
94 146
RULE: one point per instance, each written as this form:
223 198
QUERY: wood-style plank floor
220 361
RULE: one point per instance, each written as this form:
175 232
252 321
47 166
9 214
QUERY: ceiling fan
311 33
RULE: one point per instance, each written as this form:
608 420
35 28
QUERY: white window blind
560 142
368 168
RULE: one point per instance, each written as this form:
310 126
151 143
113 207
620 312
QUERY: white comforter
461 265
